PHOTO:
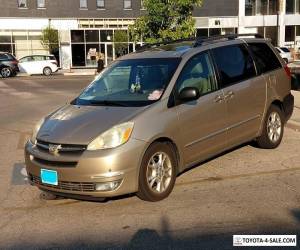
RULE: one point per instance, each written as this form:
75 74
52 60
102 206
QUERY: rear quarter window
265 59
234 64
5 57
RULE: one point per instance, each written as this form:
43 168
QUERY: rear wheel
158 172
6 72
47 71
272 130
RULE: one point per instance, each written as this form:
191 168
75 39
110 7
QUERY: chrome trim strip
206 137
242 122
221 131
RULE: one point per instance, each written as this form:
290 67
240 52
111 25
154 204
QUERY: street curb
293 125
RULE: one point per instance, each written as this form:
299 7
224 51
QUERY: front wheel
47 71
273 128
158 172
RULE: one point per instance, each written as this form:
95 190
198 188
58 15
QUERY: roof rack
201 40
198 41
166 42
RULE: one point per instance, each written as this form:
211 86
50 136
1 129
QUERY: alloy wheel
159 172
5 72
274 127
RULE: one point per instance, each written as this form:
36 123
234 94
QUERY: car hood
81 124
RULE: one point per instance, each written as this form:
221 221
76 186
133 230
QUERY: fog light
108 186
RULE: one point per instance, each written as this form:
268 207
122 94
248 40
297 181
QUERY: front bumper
79 174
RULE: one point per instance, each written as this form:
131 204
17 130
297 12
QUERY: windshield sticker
155 95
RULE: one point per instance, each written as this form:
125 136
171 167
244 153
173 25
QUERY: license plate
49 177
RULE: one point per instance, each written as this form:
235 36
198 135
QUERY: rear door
244 92
39 63
202 123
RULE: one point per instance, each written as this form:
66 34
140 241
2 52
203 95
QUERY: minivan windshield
134 82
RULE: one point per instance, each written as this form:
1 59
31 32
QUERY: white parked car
285 53
38 64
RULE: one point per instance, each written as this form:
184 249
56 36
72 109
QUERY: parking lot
245 191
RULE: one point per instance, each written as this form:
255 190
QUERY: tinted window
3 57
198 72
38 58
26 59
234 64
265 58
285 49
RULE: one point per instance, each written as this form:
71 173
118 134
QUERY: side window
38 58
234 64
265 58
26 59
199 73
3 57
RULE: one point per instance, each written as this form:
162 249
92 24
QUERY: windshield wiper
108 103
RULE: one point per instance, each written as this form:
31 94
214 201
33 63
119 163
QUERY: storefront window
92 54
298 30
289 33
78 55
77 36
92 36
106 35
262 7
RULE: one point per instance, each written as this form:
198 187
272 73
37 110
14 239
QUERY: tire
152 173
47 71
273 129
6 72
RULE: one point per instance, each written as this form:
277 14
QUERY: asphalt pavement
244 191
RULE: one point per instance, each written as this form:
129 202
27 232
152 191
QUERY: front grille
63 148
65 185
62 164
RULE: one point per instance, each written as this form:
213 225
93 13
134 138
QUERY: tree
120 42
165 20
49 39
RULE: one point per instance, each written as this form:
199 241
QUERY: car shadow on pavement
151 239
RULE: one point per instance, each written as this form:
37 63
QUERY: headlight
113 137
36 130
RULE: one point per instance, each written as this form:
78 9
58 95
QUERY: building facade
87 27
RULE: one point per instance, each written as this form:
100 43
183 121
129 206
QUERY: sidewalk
72 72
78 72
295 119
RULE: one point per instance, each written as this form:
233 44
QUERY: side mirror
189 94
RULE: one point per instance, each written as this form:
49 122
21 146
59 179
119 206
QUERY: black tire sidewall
145 192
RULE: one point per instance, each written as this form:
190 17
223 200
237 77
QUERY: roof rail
201 40
166 42
197 41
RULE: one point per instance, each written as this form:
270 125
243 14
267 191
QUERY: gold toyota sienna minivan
156 112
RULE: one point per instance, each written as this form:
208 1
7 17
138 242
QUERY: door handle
229 95
219 98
